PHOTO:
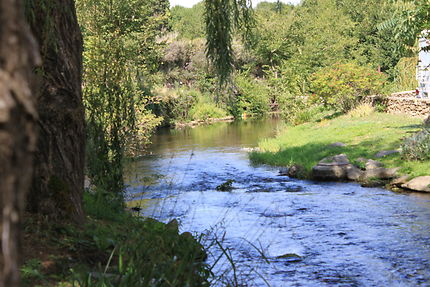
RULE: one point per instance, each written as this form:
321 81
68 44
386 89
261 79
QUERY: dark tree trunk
58 180
18 54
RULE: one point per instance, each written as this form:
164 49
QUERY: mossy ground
308 143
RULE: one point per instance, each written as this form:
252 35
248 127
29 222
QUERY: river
280 231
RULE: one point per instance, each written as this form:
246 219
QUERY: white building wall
423 68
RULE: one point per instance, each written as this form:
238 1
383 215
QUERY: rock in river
421 183
332 168
381 173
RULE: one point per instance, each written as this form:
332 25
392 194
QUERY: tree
271 41
58 179
222 17
18 55
188 22
411 17
121 52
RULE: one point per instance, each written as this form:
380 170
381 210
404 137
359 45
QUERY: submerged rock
226 186
421 183
295 171
290 257
283 171
373 183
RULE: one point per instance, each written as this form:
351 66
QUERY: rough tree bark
58 180
18 54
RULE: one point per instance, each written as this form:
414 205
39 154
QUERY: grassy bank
112 248
308 143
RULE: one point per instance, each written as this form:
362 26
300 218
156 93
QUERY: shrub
417 147
343 86
175 104
252 96
404 74
361 111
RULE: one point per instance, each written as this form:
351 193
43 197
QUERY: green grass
112 248
307 144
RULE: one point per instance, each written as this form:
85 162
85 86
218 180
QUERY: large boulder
381 173
332 168
421 183
354 173
371 164
400 181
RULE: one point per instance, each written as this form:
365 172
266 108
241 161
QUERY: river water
280 231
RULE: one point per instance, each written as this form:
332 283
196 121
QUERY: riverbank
114 247
208 121
361 137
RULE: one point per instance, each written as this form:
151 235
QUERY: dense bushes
343 86
185 104
174 104
252 96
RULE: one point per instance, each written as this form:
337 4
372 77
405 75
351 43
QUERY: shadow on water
289 232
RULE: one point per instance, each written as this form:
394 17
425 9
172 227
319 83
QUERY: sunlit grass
308 143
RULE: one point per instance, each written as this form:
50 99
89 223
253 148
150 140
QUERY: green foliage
120 50
175 104
417 147
299 113
271 44
221 18
322 35
375 47
102 205
252 96
405 74
343 86
143 252
184 62
188 22
31 271
205 111
411 17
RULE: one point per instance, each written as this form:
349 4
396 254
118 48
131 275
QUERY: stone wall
405 103
411 106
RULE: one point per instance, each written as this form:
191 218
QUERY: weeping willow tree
223 18
120 53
